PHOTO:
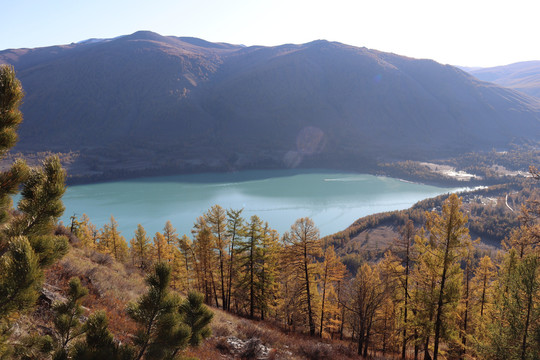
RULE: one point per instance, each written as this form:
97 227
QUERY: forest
434 296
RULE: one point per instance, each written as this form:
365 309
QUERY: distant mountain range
522 76
146 102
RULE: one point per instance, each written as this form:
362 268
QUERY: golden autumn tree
332 272
302 246
205 260
141 248
448 236
216 218
113 242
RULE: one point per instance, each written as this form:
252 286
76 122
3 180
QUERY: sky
475 33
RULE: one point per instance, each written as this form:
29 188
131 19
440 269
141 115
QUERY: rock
250 349
50 294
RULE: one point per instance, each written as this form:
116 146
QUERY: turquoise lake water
333 200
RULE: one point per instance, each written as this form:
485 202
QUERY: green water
333 200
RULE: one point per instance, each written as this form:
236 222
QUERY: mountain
146 102
521 76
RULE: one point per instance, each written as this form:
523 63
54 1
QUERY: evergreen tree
99 343
161 333
67 318
197 317
27 243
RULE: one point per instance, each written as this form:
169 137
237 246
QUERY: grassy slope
112 285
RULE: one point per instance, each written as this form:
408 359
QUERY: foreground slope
146 101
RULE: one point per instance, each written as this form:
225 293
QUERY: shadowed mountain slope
149 101
522 76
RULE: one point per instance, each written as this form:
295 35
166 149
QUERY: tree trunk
528 319
322 305
308 292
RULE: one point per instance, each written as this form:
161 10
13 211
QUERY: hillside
521 76
492 214
112 285
146 103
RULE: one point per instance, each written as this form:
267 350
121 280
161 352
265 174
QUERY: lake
334 200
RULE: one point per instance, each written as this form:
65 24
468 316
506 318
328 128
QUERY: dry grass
111 285
282 345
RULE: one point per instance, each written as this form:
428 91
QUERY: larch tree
302 247
235 232
170 234
448 237
86 232
216 218
483 277
466 298
27 243
248 261
113 242
268 269
161 250
406 243
141 248
187 260
179 274
203 246
332 272
367 297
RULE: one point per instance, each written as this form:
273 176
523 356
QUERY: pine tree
27 243
197 317
161 333
67 318
99 343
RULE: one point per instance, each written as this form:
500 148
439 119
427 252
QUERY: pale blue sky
458 32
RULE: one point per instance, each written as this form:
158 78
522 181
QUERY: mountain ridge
521 76
150 101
